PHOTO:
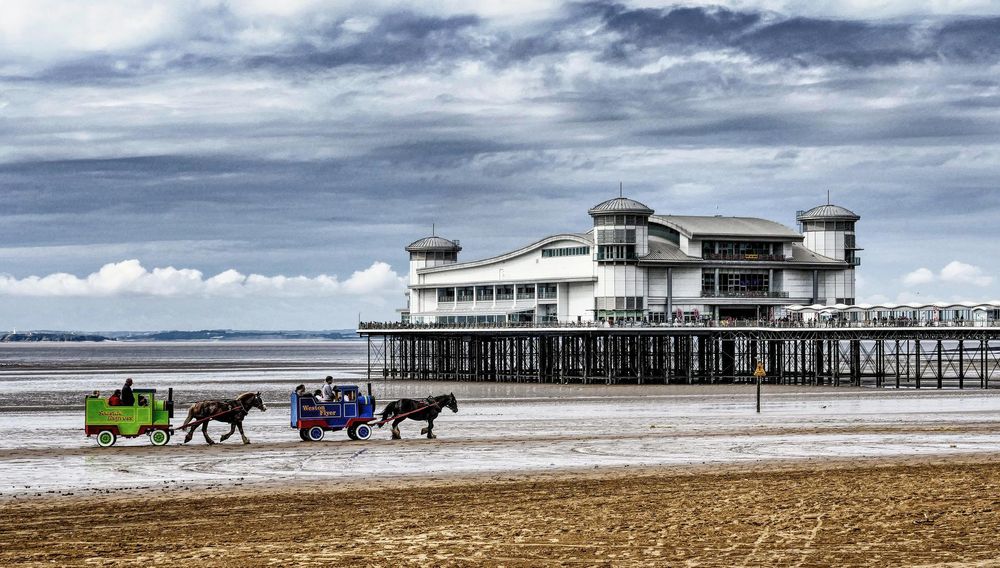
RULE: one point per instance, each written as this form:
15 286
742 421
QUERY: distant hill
51 336
230 335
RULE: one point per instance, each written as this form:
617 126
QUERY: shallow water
499 428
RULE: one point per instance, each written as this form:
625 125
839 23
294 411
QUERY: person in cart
128 399
116 398
330 393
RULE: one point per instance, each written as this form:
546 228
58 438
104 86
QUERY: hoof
423 430
246 442
431 437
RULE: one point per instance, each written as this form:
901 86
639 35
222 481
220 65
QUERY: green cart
149 415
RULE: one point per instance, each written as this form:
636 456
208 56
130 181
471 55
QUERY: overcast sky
261 164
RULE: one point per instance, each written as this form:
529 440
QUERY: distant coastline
174 335
36 336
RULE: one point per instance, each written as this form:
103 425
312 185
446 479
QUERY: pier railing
727 323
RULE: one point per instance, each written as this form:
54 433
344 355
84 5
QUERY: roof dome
620 205
433 243
827 211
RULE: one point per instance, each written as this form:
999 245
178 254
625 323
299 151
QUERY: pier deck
964 355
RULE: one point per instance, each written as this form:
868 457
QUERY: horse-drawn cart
353 411
149 415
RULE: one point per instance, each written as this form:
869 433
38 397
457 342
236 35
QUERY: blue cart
353 411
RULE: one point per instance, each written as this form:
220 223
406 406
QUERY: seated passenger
300 390
330 394
128 399
142 401
317 393
116 398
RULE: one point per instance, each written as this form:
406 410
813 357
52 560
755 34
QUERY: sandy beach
522 475
901 512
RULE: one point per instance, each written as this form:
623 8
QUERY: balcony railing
639 323
742 294
746 256
546 295
526 296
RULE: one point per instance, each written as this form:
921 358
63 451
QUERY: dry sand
874 513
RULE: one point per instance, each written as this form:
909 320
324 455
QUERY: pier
882 356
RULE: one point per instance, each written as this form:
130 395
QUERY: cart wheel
362 432
304 434
159 437
315 434
106 438
351 433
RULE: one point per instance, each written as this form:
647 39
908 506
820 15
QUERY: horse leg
430 429
232 430
204 430
395 429
190 432
240 426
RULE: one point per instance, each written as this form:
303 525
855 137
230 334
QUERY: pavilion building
635 264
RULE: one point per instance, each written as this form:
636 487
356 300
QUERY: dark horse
433 404
230 411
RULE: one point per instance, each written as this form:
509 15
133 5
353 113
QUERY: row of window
615 236
828 225
740 248
620 220
501 292
565 251
616 252
618 303
736 280
434 255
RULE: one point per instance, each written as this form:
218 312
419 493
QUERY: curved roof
694 226
620 205
828 211
582 238
433 243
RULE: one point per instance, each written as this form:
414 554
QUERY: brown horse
230 411
419 410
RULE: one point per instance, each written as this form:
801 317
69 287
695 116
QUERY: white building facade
636 265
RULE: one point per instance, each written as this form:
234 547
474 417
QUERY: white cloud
955 272
130 278
962 273
918 277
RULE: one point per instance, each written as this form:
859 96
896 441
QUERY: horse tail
390 410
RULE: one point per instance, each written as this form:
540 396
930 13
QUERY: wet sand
900 512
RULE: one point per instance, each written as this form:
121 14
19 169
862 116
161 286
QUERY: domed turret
433 243
829 230
431 251
828 211
620 229
620 205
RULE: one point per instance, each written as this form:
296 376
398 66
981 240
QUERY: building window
446 295
737 283
465 294
505 292
565 251
526 292
616 252
546 291
484 293
606 307
741 250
